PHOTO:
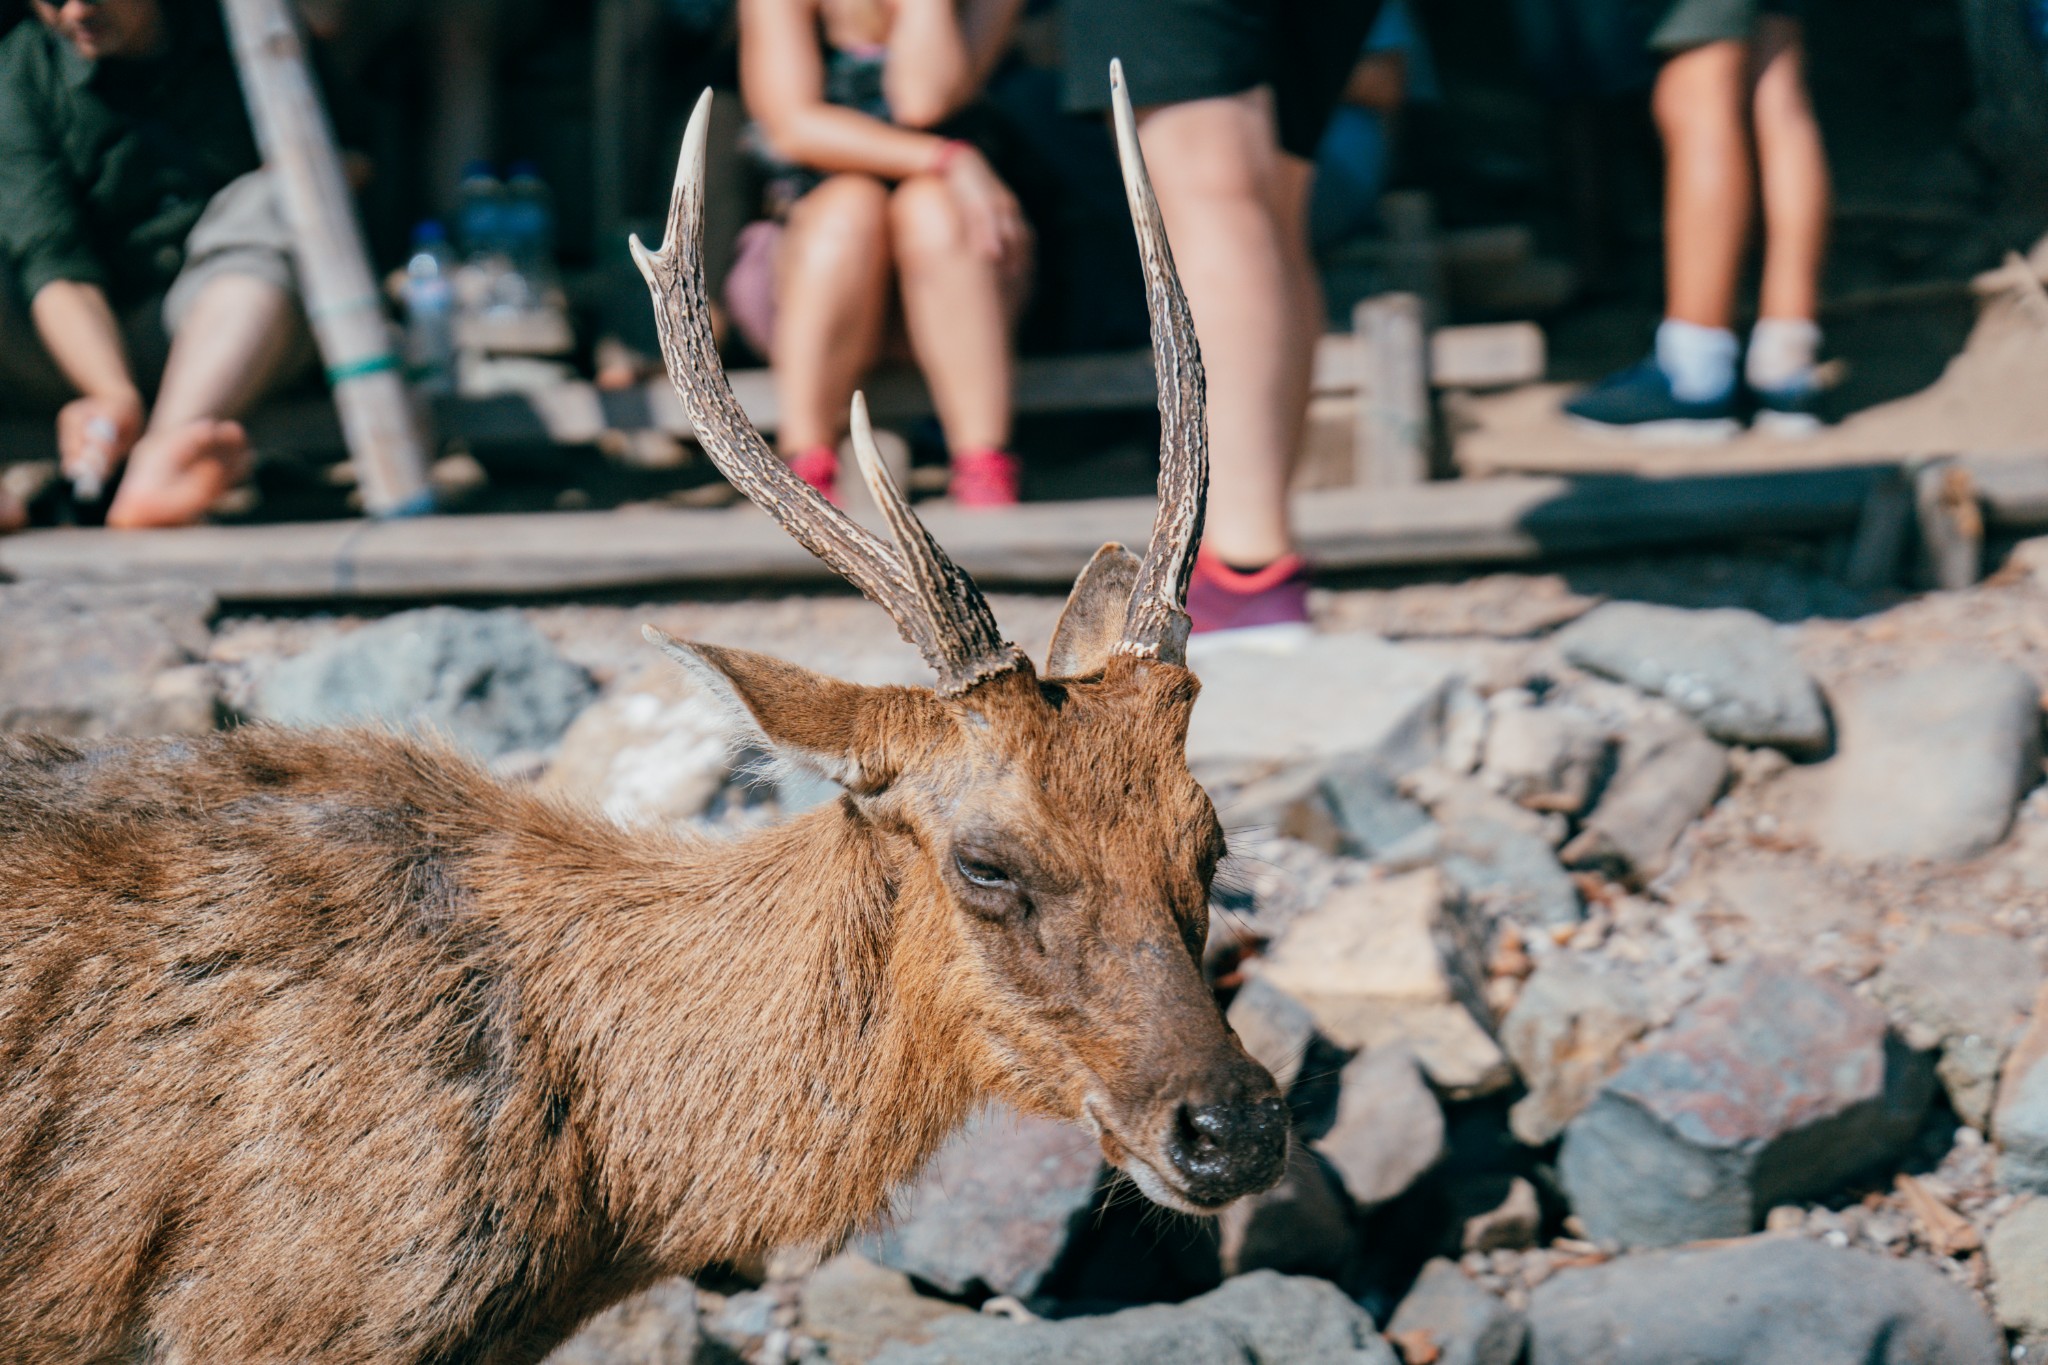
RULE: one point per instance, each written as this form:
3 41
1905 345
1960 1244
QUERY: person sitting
883 220
1733 77
138 234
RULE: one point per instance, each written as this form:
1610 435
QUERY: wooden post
1392 444
377 417
1951 523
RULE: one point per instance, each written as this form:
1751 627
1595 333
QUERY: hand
94 434
994 221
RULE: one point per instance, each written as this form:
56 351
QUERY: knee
1699 93
840 225
924 223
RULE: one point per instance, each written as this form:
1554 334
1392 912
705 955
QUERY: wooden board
1042 544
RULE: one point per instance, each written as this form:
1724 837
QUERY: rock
1302 1226
1770 1087
1348 696
92 662
996 1207
1468 1325
1932 762
1770 1300
656 750
1371 815
1969 995
1273 1027
2020 1122
1507 872
1289 804
856 1308
1728 669
2018 1251
1394 960
657 1326
1510 1227
1544 757
1668 772
1389 1127
1565 1036
487 679
1259 1319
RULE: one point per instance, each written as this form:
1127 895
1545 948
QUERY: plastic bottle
480 215
430 311
528 225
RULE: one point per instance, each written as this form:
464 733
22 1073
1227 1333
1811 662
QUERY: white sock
1781 353
1699 361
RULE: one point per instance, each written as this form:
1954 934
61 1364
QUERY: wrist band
948 152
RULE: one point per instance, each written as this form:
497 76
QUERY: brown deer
329 1047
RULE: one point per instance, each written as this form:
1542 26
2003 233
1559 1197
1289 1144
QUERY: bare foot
174 476
13 516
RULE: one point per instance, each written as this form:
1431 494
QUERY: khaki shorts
1694 23
242 232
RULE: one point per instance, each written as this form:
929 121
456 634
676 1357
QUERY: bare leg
1219 174
1793 170
832 302
1699 104
958 310
239 337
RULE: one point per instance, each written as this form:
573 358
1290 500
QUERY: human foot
818 467
13 516
985 478
175 476
1268 605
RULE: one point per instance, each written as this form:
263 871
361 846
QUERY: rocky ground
1653 953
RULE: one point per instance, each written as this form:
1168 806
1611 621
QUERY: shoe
818 467
1638 403
1789 413
1267 607
985 478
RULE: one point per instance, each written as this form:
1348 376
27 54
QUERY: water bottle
430 311
528 228
480 215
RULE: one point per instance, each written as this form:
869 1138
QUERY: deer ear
1093 619
818 722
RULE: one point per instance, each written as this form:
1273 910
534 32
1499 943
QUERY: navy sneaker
1788 413
1638 403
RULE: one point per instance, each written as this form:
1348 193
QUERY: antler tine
967 631
682 316
1156 622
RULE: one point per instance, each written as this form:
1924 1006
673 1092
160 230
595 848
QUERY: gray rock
856 1308
1510 1225
996 1207
1969 995
1932 762
1263 1318
1389 1127
1728 669
2020 1122
2018 1252
1565 1036
1769 1088
1667 774
92 662
487 679
1302 1226
1546 757
657 1326
1348 696
1275 1028
1506 871
1769 1300
1466 1323
1369 810
656 750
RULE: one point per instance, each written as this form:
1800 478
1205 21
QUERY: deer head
1053 853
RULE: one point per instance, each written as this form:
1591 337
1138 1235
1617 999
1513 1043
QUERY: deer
329 1046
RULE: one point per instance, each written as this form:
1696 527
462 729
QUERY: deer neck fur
760 1058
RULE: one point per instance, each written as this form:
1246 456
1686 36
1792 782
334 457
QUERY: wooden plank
1951 525
384 439
1487 356
1393 430
1504 520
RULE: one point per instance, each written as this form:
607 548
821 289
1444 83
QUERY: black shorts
1179 50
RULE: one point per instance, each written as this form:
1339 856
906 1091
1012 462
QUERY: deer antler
934 603
1156 622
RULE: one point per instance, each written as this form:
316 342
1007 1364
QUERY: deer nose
1223 1151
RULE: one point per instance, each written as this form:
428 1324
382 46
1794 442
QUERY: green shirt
105 166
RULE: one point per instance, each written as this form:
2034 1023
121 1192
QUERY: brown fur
328 1046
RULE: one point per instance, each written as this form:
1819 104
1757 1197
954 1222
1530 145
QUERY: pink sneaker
818 467
985 478
1272 601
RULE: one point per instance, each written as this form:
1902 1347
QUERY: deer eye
978 873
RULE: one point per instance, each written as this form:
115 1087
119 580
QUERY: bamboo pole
382 429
